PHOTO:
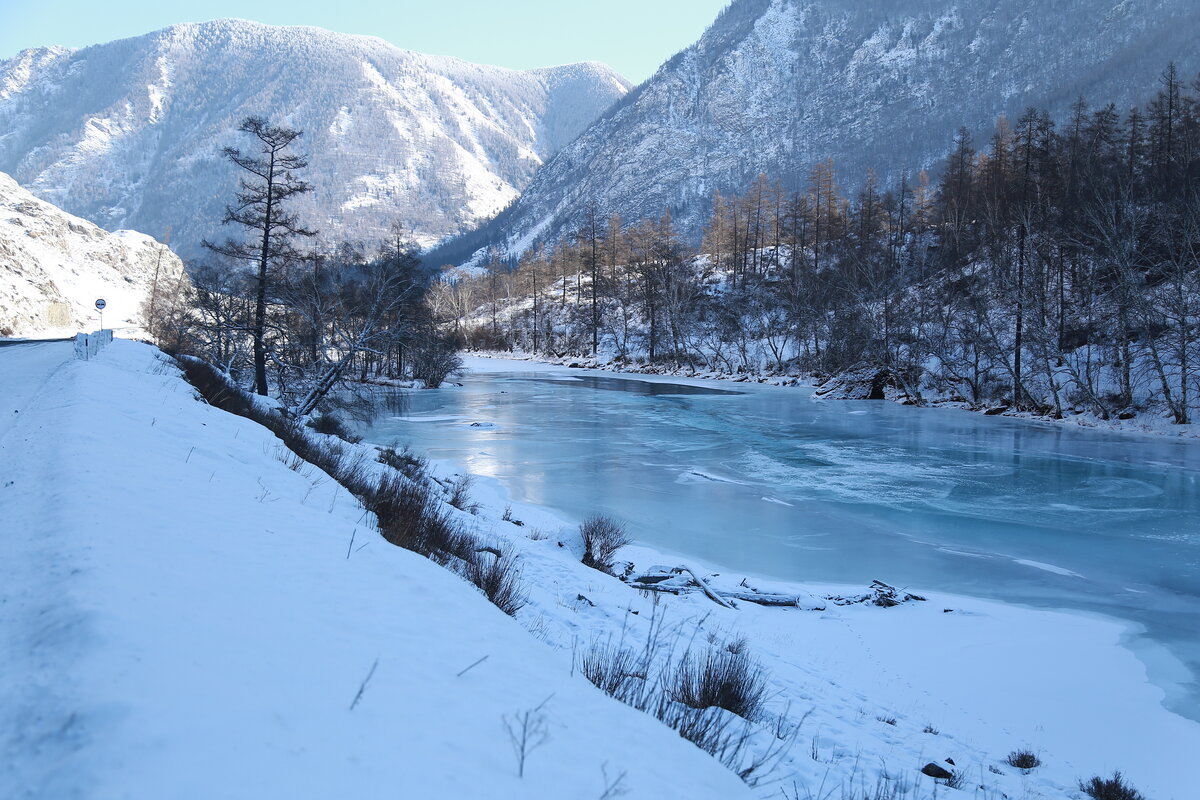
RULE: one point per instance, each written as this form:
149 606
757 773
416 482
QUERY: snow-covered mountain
128 134
777 85
53 268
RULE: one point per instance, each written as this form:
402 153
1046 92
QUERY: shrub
330 424
616 671
435 360
957 780
720 679
460 496
216 387
409 517
498 577
602 538
1023 759
1113 788
405 461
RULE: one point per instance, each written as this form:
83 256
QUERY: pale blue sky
633 36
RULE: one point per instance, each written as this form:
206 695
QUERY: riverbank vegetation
1053 268
291 316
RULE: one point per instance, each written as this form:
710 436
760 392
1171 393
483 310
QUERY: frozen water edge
991 677
1144 426
1120 671
185 618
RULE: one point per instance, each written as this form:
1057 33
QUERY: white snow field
178 619
183 616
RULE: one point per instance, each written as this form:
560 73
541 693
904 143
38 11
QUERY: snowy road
25 369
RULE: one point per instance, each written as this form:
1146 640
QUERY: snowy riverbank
184 616
1145 424
989 677
187 616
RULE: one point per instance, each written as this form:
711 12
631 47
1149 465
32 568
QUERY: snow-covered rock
129 134
775 86
54 266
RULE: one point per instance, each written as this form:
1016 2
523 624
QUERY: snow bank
184 616
961 678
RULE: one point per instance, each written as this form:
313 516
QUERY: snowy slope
128 134
179 618
54 266
183 616
775 86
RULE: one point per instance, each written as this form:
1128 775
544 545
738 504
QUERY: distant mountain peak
775 86
128 134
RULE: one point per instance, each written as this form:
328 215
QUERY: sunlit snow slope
180 618
128 134
775 86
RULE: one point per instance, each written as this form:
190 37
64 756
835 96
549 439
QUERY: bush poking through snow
217 389
1113 788
701 699
331 425
957 780
460 495
406 462
617 671
498 577
409 517
602 538
1023 759
720 678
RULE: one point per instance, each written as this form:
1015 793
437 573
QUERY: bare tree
270 180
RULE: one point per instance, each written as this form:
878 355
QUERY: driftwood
716 598
882 594
683 579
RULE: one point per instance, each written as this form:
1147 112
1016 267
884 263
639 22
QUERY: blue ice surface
768 481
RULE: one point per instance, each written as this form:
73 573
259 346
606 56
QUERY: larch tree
268 182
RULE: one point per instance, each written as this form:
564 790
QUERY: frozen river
768 481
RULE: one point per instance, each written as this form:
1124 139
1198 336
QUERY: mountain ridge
775 86
122 132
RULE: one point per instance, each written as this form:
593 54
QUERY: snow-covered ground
179 619
185 616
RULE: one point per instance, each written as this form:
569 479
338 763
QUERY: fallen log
680 580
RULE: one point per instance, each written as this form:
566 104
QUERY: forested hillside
1054 266
777 85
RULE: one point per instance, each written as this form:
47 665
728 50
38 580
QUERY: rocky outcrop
868 382
53 268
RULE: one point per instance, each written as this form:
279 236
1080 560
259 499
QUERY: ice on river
941 499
